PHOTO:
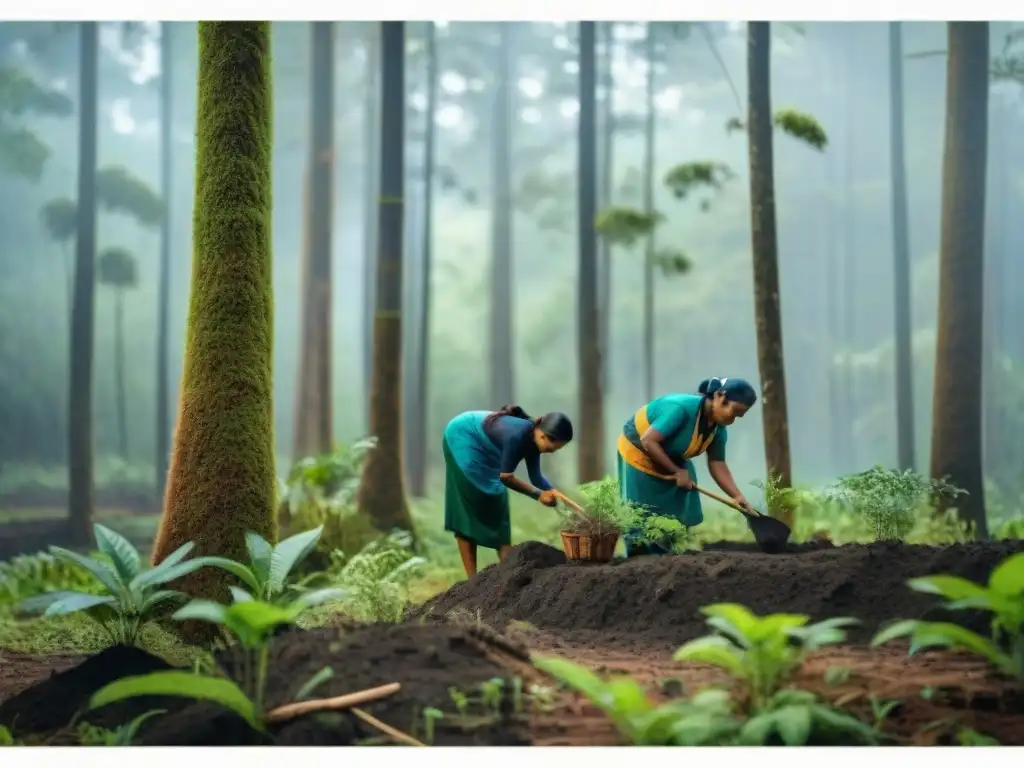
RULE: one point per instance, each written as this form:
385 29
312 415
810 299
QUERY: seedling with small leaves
430 717
1003 597
761 651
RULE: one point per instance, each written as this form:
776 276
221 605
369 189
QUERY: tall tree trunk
382 493
957 416
502 370
419 421
764 244
83 311
163 343
222 482
607 193
650 245
314 418
591 389
998 460
901 257
371 193
120 391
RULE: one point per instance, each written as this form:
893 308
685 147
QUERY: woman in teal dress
659 442
481 452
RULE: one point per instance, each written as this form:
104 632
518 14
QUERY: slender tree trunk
607 193
222 480
420 421
764 244
502 371
956 451
901 257
591 389
371 185
120 391
998 459
382 493
314 417
163 375
650 133
83 311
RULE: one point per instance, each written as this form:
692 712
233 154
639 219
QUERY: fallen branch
394 733
289 711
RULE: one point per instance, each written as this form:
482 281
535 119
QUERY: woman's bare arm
721 474
651 441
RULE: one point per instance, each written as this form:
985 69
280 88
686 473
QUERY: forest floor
622 618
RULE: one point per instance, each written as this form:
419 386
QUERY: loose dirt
621 618
655 601
426 660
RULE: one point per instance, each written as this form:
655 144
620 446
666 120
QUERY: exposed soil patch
655 601
426 659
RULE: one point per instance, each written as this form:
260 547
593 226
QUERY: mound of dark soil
52 704
426 659
655 601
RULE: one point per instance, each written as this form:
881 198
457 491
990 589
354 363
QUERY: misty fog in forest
500 190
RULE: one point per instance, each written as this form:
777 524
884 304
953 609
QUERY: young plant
128 594
1003 597
375 580
266 574
790 717
122 736
430 717
889 500
761 651
666 533
25 576
252 622
705 720
604 512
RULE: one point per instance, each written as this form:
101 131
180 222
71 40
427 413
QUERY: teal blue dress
680 419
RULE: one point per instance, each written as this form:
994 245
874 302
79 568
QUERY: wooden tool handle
722 500
569 502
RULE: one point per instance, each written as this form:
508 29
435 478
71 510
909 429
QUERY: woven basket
591 548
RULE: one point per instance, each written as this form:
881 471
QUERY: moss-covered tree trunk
591 390
382 491
957 417
221 481
313 413
765 247
83 309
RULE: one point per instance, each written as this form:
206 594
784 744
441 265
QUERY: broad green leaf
202 610
72 602
839 721
944 634
755 732
712 650
174 683
122 554
624 697
727 629
776 625
902 628
260 553
794 725
288 553
318 597
106 575
39 603
1008 577
571 674
162 574
235 568
259 617
239 595
949 587
178 555
161 596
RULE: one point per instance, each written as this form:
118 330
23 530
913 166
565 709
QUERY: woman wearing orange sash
659 442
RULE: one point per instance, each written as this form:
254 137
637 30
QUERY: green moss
221 480
78 634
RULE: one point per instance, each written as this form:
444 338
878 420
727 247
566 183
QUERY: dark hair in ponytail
555 425
507 410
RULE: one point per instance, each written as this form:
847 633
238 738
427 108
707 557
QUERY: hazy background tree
957 423
118 272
